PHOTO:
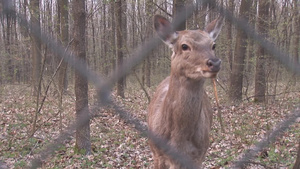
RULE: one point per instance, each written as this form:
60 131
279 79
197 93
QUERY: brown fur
180 111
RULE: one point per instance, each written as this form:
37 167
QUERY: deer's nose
214 64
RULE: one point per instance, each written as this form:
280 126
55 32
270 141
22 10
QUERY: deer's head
193 50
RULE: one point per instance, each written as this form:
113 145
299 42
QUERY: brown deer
180 111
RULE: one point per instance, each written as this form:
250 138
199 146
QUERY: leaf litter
116 144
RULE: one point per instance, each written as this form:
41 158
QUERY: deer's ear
214 28
165 30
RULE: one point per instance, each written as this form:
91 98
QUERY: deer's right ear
214 28
165 30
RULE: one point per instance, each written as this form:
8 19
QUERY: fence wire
269 139
104 86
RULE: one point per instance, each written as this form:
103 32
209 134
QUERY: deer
180 111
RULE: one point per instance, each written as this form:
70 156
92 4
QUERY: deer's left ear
214 28
165 30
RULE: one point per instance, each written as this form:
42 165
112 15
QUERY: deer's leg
159 159
159 162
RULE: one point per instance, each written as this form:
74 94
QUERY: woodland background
41 94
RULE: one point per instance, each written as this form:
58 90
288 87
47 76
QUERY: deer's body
189 131
180 111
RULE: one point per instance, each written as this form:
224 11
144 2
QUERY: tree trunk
119 45
64 24
296 30
260 79
36 45
105 44
63 7
83 144
112 37
149 32
93 50
36 56
229 35
25 70
236 76
202 14
251 48
124 36
8 45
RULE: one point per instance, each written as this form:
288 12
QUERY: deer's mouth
209 74
200 73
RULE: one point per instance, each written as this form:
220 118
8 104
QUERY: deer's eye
214 46
184 47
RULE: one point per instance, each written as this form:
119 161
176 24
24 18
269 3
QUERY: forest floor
116 144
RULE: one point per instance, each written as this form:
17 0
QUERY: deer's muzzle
214 64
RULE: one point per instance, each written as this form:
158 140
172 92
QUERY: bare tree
25 68
238 64
36 45
63 7
64 34
112 37
119 45
36 56
83 144
8 43
229 35
296 30
260 79
149 32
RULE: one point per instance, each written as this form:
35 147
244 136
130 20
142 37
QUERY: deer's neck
181 88
182 106
184 97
